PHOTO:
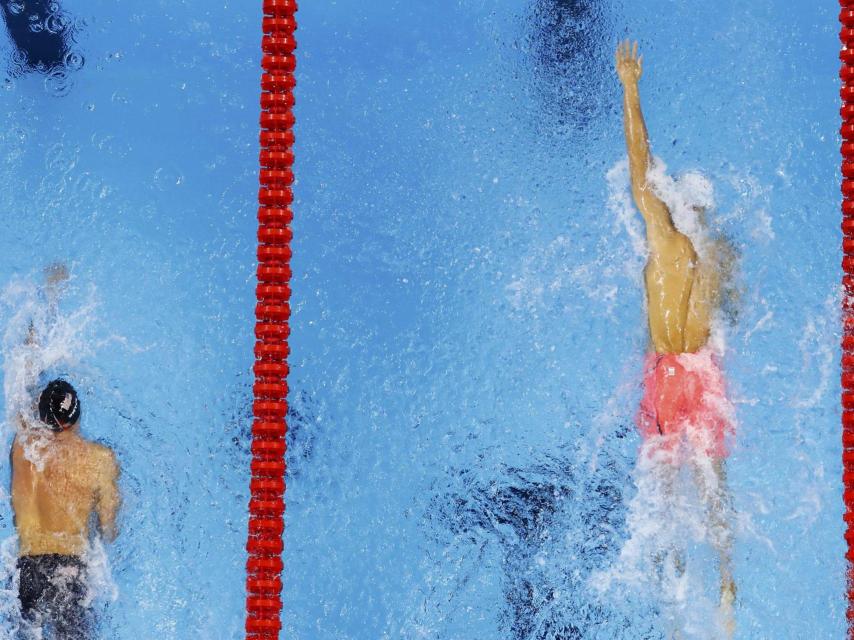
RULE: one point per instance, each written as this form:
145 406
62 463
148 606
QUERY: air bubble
57 83
55 23
73 61
75 25
166 178
17 63
61 158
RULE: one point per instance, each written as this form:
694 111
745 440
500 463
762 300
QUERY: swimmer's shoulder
670 246
103 457
99 451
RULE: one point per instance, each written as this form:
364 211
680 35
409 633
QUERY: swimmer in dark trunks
59 480
684 405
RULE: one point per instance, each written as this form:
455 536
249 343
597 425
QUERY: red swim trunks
684 402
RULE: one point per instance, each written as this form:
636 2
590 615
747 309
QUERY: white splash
686 196
41 341
667 519
677 510
38 339
817 347
100 584
621 205
10 606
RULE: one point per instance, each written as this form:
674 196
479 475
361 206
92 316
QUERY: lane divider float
272 329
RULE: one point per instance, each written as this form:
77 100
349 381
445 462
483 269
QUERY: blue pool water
468 318
140 170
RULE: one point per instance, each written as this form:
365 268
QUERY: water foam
38 341
671 530
667 523
41 341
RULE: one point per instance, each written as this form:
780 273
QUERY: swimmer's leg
668 556
660 491
710 476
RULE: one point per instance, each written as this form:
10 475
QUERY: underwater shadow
552 524
44 36
569 45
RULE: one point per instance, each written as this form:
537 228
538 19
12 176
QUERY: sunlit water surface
135 163
468 323
469 327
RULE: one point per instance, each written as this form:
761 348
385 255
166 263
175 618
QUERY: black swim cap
59 407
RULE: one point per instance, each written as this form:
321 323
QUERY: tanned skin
53 500
52 505
682 292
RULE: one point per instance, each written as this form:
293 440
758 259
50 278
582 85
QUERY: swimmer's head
59 407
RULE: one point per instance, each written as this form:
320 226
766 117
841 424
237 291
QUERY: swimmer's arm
55 277
109 499
654 211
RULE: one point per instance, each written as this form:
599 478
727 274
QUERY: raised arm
55 277
109 499
654 211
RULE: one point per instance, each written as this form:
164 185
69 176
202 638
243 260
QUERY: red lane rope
272 313
846 75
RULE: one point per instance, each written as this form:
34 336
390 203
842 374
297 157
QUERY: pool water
470 328
136 165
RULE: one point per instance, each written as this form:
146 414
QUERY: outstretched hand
629 64
56 273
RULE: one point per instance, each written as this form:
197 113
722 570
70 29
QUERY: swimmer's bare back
681 291
53 501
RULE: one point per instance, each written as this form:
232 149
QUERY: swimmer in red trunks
684 408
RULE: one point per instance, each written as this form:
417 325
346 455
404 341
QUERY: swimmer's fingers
628 63
624 53
56 273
